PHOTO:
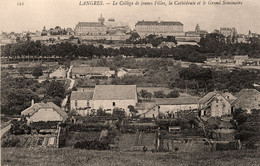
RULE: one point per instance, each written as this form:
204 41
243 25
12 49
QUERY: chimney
32 102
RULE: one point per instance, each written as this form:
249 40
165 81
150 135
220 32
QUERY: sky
35 14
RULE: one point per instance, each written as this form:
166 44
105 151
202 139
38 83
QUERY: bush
11 141
91 145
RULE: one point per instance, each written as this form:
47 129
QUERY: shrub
91 145
10 141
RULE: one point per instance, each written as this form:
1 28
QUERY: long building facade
164 28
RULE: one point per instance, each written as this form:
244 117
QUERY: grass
70 156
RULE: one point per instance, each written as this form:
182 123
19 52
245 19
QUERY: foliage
173 94
159 94
132 110
37 72
19 128
91 145
118 113
145 94
56 89
10 141
86 127
240 116
44 125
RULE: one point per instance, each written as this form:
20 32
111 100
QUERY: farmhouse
81 102
91 72
44 112
59 73
114 96
129 72
215 104
248 99
170 106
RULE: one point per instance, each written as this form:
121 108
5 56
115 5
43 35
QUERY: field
70 156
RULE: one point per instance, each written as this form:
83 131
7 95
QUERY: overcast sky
66 13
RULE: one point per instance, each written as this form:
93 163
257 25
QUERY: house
167 44
109 97
59 73
248 99
239 59
81 102
129 72
170 106
215 104
91 72
44 112
147 110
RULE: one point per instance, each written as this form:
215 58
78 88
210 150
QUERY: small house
81 102
59 73
44 112
170 106
248 99
215 104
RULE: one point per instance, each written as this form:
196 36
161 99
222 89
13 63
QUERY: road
64 102
4 130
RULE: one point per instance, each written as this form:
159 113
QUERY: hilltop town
103 86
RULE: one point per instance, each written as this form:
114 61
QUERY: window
114 103
76 103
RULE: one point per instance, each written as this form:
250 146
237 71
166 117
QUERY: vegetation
71 156
37 72
17 93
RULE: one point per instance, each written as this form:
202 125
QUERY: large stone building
228 32
164 28
91 28
102 28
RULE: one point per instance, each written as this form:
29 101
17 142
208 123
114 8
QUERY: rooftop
115 92
76 95
34 108
159 23
176 101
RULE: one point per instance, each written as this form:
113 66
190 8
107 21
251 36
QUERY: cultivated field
70 156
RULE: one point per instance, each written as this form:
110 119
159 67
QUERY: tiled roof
247 98
159 23
176 101
90 24
145 106
34 108
228 96
225 124
76 95
89 70
115 92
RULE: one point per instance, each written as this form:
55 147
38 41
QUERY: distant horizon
33 16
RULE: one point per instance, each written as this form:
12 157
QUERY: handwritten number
20 3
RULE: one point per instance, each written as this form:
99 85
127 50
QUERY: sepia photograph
130 82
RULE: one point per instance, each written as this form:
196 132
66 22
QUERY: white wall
174 108
81 104
45 115
108 104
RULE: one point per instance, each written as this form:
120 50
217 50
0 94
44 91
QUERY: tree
240 116
56 88
132 110
118 113
145 94
159 94
173 94
37 72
